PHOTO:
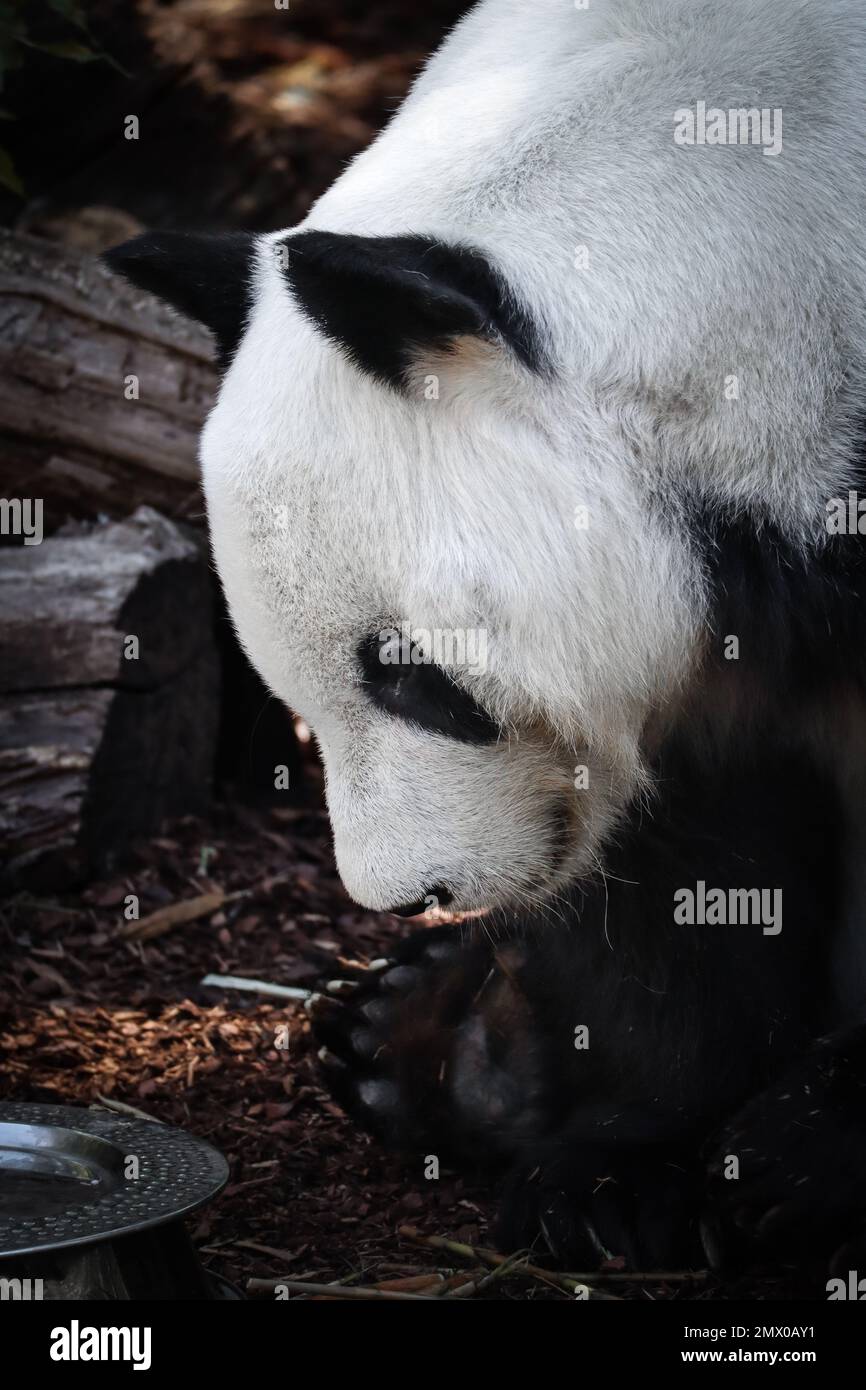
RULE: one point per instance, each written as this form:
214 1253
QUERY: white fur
337 506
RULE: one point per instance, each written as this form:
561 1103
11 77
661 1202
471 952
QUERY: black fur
423 694
802 1144
799 613
205 277
472 1044
385 299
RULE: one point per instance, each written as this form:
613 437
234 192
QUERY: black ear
205 277
382 299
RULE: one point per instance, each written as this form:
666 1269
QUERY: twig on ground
564 1280
108 1104
412 1283
175 915
255 986
334 1290
269 1249
478 1280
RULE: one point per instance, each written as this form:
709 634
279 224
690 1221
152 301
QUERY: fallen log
109 694
105 389
72 337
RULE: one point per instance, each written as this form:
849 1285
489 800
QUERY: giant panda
551 367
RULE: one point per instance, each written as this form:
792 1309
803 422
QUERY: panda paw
434 1047
596 1204
786 1177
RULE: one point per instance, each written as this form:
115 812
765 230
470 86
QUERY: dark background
247 112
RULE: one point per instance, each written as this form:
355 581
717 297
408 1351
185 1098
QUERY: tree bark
76 344
98 743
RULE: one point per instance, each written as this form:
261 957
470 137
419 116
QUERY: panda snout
437 896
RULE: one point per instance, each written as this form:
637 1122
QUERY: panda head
436 552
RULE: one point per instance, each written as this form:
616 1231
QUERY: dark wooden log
70 334
71 338
96 745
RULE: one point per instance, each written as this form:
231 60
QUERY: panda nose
438 893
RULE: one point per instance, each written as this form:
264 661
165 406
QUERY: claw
329 1060
320 1008
711 1242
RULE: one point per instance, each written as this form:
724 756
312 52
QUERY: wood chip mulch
87 1013
84 1014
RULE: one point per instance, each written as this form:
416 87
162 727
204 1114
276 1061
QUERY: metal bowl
94 1184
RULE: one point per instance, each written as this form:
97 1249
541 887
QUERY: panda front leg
463 1046
589 1057
586 1198
787 1176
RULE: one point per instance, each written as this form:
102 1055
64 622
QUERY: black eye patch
421 693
